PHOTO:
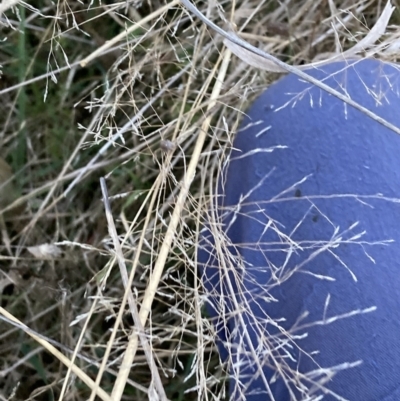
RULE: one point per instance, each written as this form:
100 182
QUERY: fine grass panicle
117 119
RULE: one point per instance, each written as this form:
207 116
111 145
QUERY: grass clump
145 95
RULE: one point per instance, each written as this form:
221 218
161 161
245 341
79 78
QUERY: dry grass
145 95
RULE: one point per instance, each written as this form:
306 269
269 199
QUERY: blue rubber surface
311 208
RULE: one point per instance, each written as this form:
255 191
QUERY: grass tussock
145 95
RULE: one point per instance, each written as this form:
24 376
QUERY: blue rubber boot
302 262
